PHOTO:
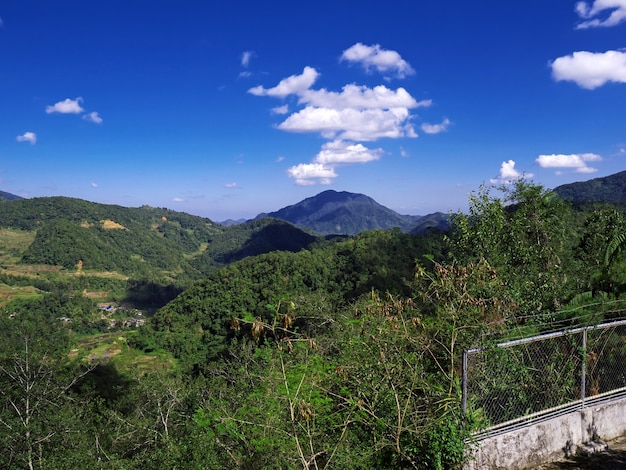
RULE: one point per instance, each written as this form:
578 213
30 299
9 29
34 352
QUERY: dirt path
612 459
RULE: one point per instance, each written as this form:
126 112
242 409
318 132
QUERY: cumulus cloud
307 174
27 137
284 109
595 13
375 57
338 152
67 106
93 117
509 174
350 123
293 85
591 69
576 161
355 113
436 128
362 97
246 56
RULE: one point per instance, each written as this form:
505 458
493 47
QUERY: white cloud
594 13
232 185
356 113
351 124
246 56
436 128
403 152
509 174
279 159
307 174
374 57
178 199
338 152
576 161
284 109
591 69
293 85
67 106
27 137
94 185
362 97
93 117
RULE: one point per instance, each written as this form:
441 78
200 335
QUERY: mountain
229 222
143 242
251 238
342 213
435 221
610 189
8 196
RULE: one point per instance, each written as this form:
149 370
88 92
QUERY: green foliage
251 239
196 326
339 353
529 242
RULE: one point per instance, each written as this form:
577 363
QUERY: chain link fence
517 382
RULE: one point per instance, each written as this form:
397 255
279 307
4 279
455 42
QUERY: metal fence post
464 383
583 375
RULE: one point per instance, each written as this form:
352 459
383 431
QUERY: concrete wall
550 440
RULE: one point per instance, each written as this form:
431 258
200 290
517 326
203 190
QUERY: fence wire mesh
519 380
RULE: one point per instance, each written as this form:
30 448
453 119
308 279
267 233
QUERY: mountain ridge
608 189
343 213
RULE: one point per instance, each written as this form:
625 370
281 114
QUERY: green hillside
346 353
250 239
609 189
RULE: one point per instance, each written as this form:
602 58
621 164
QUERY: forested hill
143 242
610 189
4 196
332 212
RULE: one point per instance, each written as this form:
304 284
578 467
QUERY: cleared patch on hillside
31 270
9 293
112 225
113 348
13 243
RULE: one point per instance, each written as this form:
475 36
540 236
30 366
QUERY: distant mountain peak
8 196
343 213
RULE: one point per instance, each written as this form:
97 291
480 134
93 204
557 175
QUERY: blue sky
226 109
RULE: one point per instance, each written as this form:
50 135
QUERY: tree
40 413
527 237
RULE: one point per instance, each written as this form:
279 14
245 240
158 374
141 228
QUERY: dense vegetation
339 353
609 189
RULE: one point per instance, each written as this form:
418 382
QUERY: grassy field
113 348
13 243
